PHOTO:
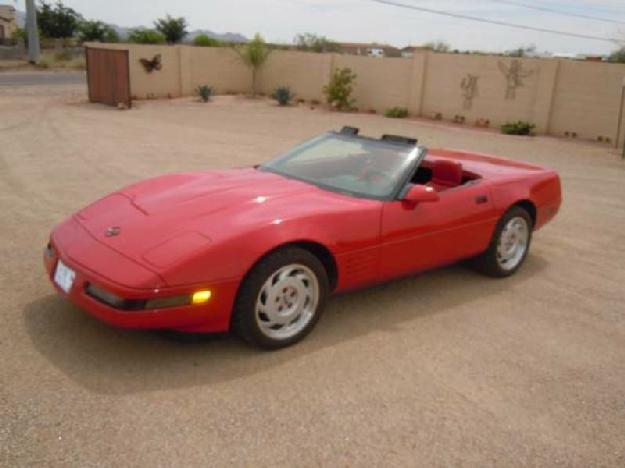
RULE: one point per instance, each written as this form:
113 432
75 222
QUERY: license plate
64 276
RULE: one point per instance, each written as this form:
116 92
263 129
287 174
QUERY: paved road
42 78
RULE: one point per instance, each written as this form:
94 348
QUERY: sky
368 21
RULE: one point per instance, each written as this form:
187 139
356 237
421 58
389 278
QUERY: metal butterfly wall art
151 65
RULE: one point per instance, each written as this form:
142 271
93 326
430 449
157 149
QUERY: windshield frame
415 157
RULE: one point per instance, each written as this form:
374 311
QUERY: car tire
509 245
281 299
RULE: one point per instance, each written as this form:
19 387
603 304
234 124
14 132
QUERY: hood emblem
112 231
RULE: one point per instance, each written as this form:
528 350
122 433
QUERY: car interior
442 174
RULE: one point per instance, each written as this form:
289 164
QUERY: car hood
163 219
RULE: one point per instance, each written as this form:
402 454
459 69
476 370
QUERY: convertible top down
258 250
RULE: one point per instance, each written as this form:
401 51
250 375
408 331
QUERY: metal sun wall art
514 75
469 90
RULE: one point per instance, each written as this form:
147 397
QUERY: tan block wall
557 95
305 73
587 99
381 82
218 67
443 93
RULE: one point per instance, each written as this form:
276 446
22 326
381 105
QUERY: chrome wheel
512 244
287 301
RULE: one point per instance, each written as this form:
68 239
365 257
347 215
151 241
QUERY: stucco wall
559 96
218 67
304 73
587 99
380 82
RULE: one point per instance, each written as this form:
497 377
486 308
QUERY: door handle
481 199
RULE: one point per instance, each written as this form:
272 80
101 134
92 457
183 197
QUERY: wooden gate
108 78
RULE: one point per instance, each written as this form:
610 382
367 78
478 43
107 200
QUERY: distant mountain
20 19
123 33
224 37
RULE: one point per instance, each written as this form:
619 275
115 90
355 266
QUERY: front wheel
509 245
281 299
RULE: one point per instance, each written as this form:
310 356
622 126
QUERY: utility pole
33 33
622 93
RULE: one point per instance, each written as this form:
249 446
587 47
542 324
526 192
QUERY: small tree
314 43
203 40
618 56
146 36
57 21
97 31
254 54
174 29
339 90
438 46
523 51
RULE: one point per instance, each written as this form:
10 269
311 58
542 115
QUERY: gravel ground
445 369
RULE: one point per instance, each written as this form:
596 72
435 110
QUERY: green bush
146 36
618 56
314 43
173 29
96 31
339 90
396 112
64 55
283 95
202 40
57 21
518 128
204 92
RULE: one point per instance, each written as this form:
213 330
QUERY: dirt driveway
446 369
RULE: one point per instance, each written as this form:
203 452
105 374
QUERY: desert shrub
518 128
314 43
437 46
618 56
203 40
204 92
64 55
396 112
146 36
283 95
339 90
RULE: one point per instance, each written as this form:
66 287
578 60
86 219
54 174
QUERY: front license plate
64 276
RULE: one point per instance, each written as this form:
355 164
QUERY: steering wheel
376 177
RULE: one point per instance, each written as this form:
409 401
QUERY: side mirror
420 194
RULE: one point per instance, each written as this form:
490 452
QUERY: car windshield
349 164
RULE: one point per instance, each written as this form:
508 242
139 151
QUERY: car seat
445 174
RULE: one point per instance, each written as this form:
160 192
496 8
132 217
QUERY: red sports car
258 250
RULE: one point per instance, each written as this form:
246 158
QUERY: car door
458 225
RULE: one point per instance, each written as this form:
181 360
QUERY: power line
559 12
489 21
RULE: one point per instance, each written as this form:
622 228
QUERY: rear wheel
281 299
509 245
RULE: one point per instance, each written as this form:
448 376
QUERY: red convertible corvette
258 250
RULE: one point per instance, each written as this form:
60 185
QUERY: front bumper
213 316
